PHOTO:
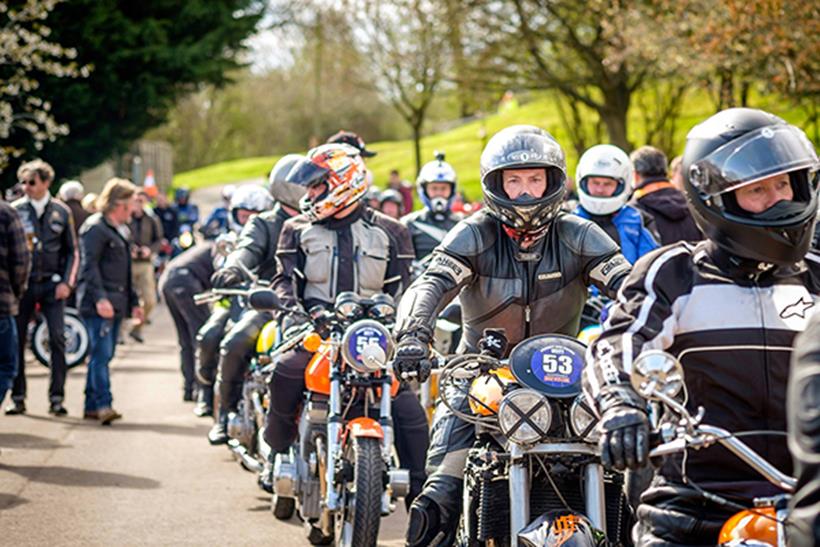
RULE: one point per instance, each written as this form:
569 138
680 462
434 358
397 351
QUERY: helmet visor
763 153
306 173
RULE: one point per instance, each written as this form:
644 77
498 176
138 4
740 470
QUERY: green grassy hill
463 144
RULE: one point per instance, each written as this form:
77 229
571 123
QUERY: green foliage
145 56
463 144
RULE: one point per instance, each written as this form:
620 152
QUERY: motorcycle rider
436 186
604 176
187 212
728 308
246 201
55 264
255 253
339 244
391 204
520 264
217 221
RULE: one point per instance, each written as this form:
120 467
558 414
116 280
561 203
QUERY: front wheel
357 523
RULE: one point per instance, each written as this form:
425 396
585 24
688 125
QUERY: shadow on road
71 476
200 430
31 442
8 501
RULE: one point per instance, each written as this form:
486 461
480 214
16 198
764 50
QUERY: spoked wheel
357 522
76 340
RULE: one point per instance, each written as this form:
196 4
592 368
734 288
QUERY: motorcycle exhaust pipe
243 457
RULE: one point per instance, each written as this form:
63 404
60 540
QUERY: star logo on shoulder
797 309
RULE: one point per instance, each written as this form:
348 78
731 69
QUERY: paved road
150 479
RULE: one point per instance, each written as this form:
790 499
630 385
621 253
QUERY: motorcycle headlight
382 307
349 306
582 420
524 416
186 239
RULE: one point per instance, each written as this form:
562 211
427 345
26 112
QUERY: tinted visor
306 173
763 153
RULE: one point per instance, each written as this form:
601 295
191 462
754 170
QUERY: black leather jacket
106 269
540 290
258 241
732 327
52 241
428 229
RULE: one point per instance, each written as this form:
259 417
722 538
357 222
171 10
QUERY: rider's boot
434 514
205 402
219 432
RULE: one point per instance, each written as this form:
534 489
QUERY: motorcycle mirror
264 300
374 357
655 371
225 244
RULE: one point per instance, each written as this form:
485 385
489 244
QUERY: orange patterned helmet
341 168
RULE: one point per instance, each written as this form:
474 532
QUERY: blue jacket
216 223
635 237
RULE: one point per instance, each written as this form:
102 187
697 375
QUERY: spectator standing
15 264
186 275
395 182
89 203
55 264
71 193
146 239
676 172
105 293
658 197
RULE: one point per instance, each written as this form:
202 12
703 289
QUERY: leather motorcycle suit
526 292
428 229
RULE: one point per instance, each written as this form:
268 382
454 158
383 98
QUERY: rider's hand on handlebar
226 277
624 438
412 359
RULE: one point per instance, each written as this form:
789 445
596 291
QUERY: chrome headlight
382 307
358 337
525 416
582 420
349 306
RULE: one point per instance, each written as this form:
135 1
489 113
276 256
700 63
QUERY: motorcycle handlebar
706 435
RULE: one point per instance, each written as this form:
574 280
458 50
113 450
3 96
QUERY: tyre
357 523
76 340
283 508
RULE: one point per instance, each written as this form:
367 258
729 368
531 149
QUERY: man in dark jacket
146 239
15 263
658 197
804 436
106 294
71 193
52 240
186 275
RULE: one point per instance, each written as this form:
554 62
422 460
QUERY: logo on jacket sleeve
797 309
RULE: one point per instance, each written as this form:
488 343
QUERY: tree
26 56
145 56
406 43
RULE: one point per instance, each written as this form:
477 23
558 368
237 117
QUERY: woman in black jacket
105 293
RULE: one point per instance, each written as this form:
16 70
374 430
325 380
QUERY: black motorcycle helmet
740 146
523 147
284 192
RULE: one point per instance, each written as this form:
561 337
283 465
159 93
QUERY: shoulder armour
471 236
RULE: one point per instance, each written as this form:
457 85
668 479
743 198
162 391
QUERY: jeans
8 354
102 334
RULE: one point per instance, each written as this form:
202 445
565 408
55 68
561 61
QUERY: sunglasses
29 182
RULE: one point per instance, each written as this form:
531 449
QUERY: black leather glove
412 359
624 429
227 277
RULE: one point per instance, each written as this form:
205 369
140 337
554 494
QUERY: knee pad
429 524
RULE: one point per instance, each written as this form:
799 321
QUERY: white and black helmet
738 147
284 192
604 160
523 147
250 198
437 170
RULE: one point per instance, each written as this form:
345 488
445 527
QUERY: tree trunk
614 115
417 144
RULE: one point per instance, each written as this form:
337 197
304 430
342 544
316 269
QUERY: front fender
364 427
